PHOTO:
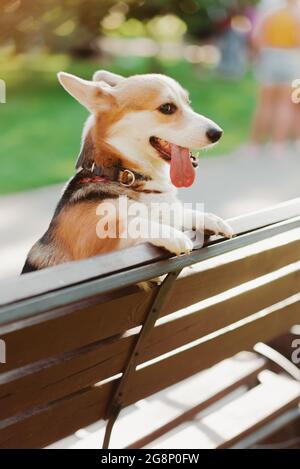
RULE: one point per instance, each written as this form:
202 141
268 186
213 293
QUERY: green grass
41 125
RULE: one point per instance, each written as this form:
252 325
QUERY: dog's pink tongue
182 172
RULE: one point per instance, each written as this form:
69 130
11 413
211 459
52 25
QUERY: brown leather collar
126 177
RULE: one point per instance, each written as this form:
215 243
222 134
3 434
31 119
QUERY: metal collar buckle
130 177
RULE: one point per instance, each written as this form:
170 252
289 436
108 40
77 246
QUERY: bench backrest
69 330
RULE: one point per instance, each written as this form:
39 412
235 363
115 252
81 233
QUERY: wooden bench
83 341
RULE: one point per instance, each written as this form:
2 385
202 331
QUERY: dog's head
146 118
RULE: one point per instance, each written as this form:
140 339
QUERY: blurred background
201 43
214 48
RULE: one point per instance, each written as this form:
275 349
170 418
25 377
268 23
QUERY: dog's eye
167 108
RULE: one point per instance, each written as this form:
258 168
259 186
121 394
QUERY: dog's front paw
177 244
215 225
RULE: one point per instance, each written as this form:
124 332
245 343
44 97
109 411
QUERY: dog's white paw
176 244
215 225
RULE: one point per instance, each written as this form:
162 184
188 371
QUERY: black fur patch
75 185
28 267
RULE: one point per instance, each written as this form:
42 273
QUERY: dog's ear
91 95
111 79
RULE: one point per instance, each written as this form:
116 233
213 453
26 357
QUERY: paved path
229 186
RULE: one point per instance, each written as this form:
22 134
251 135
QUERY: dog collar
124 176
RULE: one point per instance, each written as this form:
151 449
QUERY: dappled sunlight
166 307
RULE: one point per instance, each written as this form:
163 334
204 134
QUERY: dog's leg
164 236
207 223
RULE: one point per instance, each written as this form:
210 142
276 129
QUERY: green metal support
116 403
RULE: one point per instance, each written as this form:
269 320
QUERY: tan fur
76 231
44 255
105 154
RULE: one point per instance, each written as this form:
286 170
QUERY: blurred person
276 38
233 45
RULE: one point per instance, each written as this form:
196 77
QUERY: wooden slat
100 318
170 370
63 331
50 380
72 273
196 285
44 426
63 275
279 430
237 419
187 328
56 421
206 388
58 298
261 404
166 408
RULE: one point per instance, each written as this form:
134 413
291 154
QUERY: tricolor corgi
136 146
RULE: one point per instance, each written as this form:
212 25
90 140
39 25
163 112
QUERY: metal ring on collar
131 176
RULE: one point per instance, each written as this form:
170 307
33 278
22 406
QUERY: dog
136 148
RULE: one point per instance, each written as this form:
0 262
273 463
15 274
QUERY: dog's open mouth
182 162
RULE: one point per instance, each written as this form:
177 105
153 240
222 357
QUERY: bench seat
72 331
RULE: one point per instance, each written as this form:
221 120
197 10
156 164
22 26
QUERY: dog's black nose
214 134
